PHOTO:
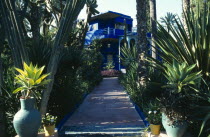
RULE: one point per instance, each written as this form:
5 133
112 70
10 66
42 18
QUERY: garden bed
110 73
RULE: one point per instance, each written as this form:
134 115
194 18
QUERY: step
101 131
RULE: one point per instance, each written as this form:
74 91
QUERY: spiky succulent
30 79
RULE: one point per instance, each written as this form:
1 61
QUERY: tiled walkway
106 111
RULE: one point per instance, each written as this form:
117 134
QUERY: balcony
103 33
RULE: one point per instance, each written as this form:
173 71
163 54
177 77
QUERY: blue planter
28 119
176 130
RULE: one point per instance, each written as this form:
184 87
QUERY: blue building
109 28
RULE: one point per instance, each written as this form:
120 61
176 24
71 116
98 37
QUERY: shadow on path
105 111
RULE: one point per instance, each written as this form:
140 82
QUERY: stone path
106 111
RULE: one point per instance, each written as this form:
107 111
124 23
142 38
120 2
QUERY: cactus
70 13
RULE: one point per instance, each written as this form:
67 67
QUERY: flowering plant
153 113
49 120
154 117
110 73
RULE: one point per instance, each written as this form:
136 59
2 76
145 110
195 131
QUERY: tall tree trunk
125 33
185 5
153 18
70 13
141 6
185 8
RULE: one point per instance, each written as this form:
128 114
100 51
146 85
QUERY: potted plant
109 70
109 66
181 85
28 119
48 122
154 117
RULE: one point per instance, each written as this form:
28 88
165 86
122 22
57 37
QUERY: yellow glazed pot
49 130
155 129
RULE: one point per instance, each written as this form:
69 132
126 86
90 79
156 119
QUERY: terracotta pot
155 129
49 130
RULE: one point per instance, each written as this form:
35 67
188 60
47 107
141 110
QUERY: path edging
139 111
67 116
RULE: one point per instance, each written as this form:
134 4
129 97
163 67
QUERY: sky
128 7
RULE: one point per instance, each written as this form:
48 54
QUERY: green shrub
152 109
77 75
130 80
192 46
10 101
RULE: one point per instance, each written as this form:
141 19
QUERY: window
119 26
109 58
93 27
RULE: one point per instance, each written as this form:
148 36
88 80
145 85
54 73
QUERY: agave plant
109 65
180 76
181 87
129 55
206 111
191 45
30 79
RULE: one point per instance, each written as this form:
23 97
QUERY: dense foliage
139 91
190 45
45 34
78 73
9 102
48 120
130 80
180 80
153 112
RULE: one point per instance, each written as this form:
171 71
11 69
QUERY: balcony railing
105 33
113 31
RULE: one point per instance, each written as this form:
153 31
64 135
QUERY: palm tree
185 8
141 7
168 20
199 5
185 5
91 10
153 18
